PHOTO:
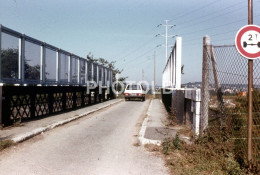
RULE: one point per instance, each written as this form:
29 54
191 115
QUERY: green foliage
207 155
5 144
172 144
9 58
108 64
177 142
9 67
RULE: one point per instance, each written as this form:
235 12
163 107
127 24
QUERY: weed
170 145
137 144
205 156
5 144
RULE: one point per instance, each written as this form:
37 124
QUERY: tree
9 58
108 64
9 61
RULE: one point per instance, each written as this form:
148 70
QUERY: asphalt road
104 143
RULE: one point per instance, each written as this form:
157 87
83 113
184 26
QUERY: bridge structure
183 103
38 79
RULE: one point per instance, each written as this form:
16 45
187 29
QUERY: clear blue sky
124 30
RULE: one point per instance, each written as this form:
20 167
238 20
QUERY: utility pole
166 37
154 72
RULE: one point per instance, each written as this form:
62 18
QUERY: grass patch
152 147
204 156
5 144
137 144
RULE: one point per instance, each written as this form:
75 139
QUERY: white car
133 91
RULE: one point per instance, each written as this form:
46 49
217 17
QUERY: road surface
104 143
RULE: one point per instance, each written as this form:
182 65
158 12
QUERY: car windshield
133 87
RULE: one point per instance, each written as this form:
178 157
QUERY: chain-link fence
225 101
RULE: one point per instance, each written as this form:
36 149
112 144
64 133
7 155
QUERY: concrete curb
141 137
28 135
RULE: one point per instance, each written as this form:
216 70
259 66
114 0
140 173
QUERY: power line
138 58
216 34
181 16
210 18
133 51
214 27
217 11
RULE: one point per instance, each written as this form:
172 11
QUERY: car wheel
126 99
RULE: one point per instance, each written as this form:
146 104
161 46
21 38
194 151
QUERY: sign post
248 45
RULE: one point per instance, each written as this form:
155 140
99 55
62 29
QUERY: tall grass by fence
225 101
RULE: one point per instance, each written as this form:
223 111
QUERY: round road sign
248 41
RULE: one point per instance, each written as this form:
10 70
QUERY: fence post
205 85
217 85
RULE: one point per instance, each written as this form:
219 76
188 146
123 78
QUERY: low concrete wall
192 109
185 105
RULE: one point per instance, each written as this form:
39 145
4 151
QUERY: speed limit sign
248 41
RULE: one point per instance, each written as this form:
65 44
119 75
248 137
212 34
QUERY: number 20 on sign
248 41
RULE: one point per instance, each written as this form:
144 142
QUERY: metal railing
171 77
28 61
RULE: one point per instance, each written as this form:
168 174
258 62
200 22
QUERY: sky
124 30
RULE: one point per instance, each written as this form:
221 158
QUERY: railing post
102 76
63 98
205 85
1 106
178 61
0 53
43 58
33 97
74 98
1 87
86 72
97 75
92 71
79 76
51 100
58 66
69 69
21 59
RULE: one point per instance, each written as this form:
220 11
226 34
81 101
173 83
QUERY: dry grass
152 148
5 144
205 156
136 144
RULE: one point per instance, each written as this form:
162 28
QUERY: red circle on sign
239 35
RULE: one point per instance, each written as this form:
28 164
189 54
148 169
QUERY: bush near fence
228 103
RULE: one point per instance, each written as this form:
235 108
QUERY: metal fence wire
227 103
